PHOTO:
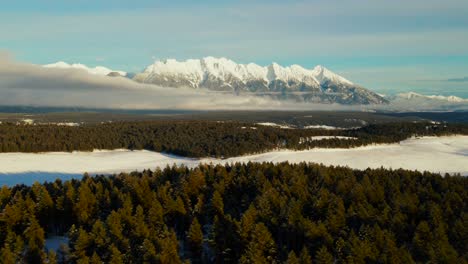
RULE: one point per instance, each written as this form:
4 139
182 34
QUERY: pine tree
82 260
262 248
292 258
305 257
83 244
195 237
150 255
323 256
217 203
248 223
95 259
7 256
422 242
116 256
34 234
85 206
52 257
99 237
169 249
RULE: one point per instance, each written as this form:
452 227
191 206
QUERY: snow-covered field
435 154
442 154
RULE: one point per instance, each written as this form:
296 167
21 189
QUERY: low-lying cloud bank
34 85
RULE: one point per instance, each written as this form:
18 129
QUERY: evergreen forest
204 138
240 213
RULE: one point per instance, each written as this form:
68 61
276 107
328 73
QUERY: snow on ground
98 161
324 127
443 154
65 124
274 125
54 242
435 154
27 121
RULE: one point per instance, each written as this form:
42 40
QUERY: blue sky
387 46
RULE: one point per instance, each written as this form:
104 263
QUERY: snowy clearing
435 154
443 154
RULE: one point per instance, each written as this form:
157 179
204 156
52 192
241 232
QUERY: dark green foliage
248 213
202 138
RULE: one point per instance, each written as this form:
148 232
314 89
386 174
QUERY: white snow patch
66 124
28 121
324 127
274 125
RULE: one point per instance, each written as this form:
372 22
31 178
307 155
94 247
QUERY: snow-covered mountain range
412 101
317 85
415 96
294 82
99 70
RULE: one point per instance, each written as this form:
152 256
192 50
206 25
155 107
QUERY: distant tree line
240 213
202 138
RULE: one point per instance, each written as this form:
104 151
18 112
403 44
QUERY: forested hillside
247 213
202 138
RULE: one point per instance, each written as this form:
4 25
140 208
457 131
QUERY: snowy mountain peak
222 74
225 68
323 75
98 70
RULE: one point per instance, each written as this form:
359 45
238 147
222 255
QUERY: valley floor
435 154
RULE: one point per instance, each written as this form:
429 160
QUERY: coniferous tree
34 235
195 238
292 258
116 256
323 256
7 255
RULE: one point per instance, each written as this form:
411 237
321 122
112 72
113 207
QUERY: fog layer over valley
28 84
34 85
435 154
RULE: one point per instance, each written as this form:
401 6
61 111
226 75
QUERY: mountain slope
293 82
